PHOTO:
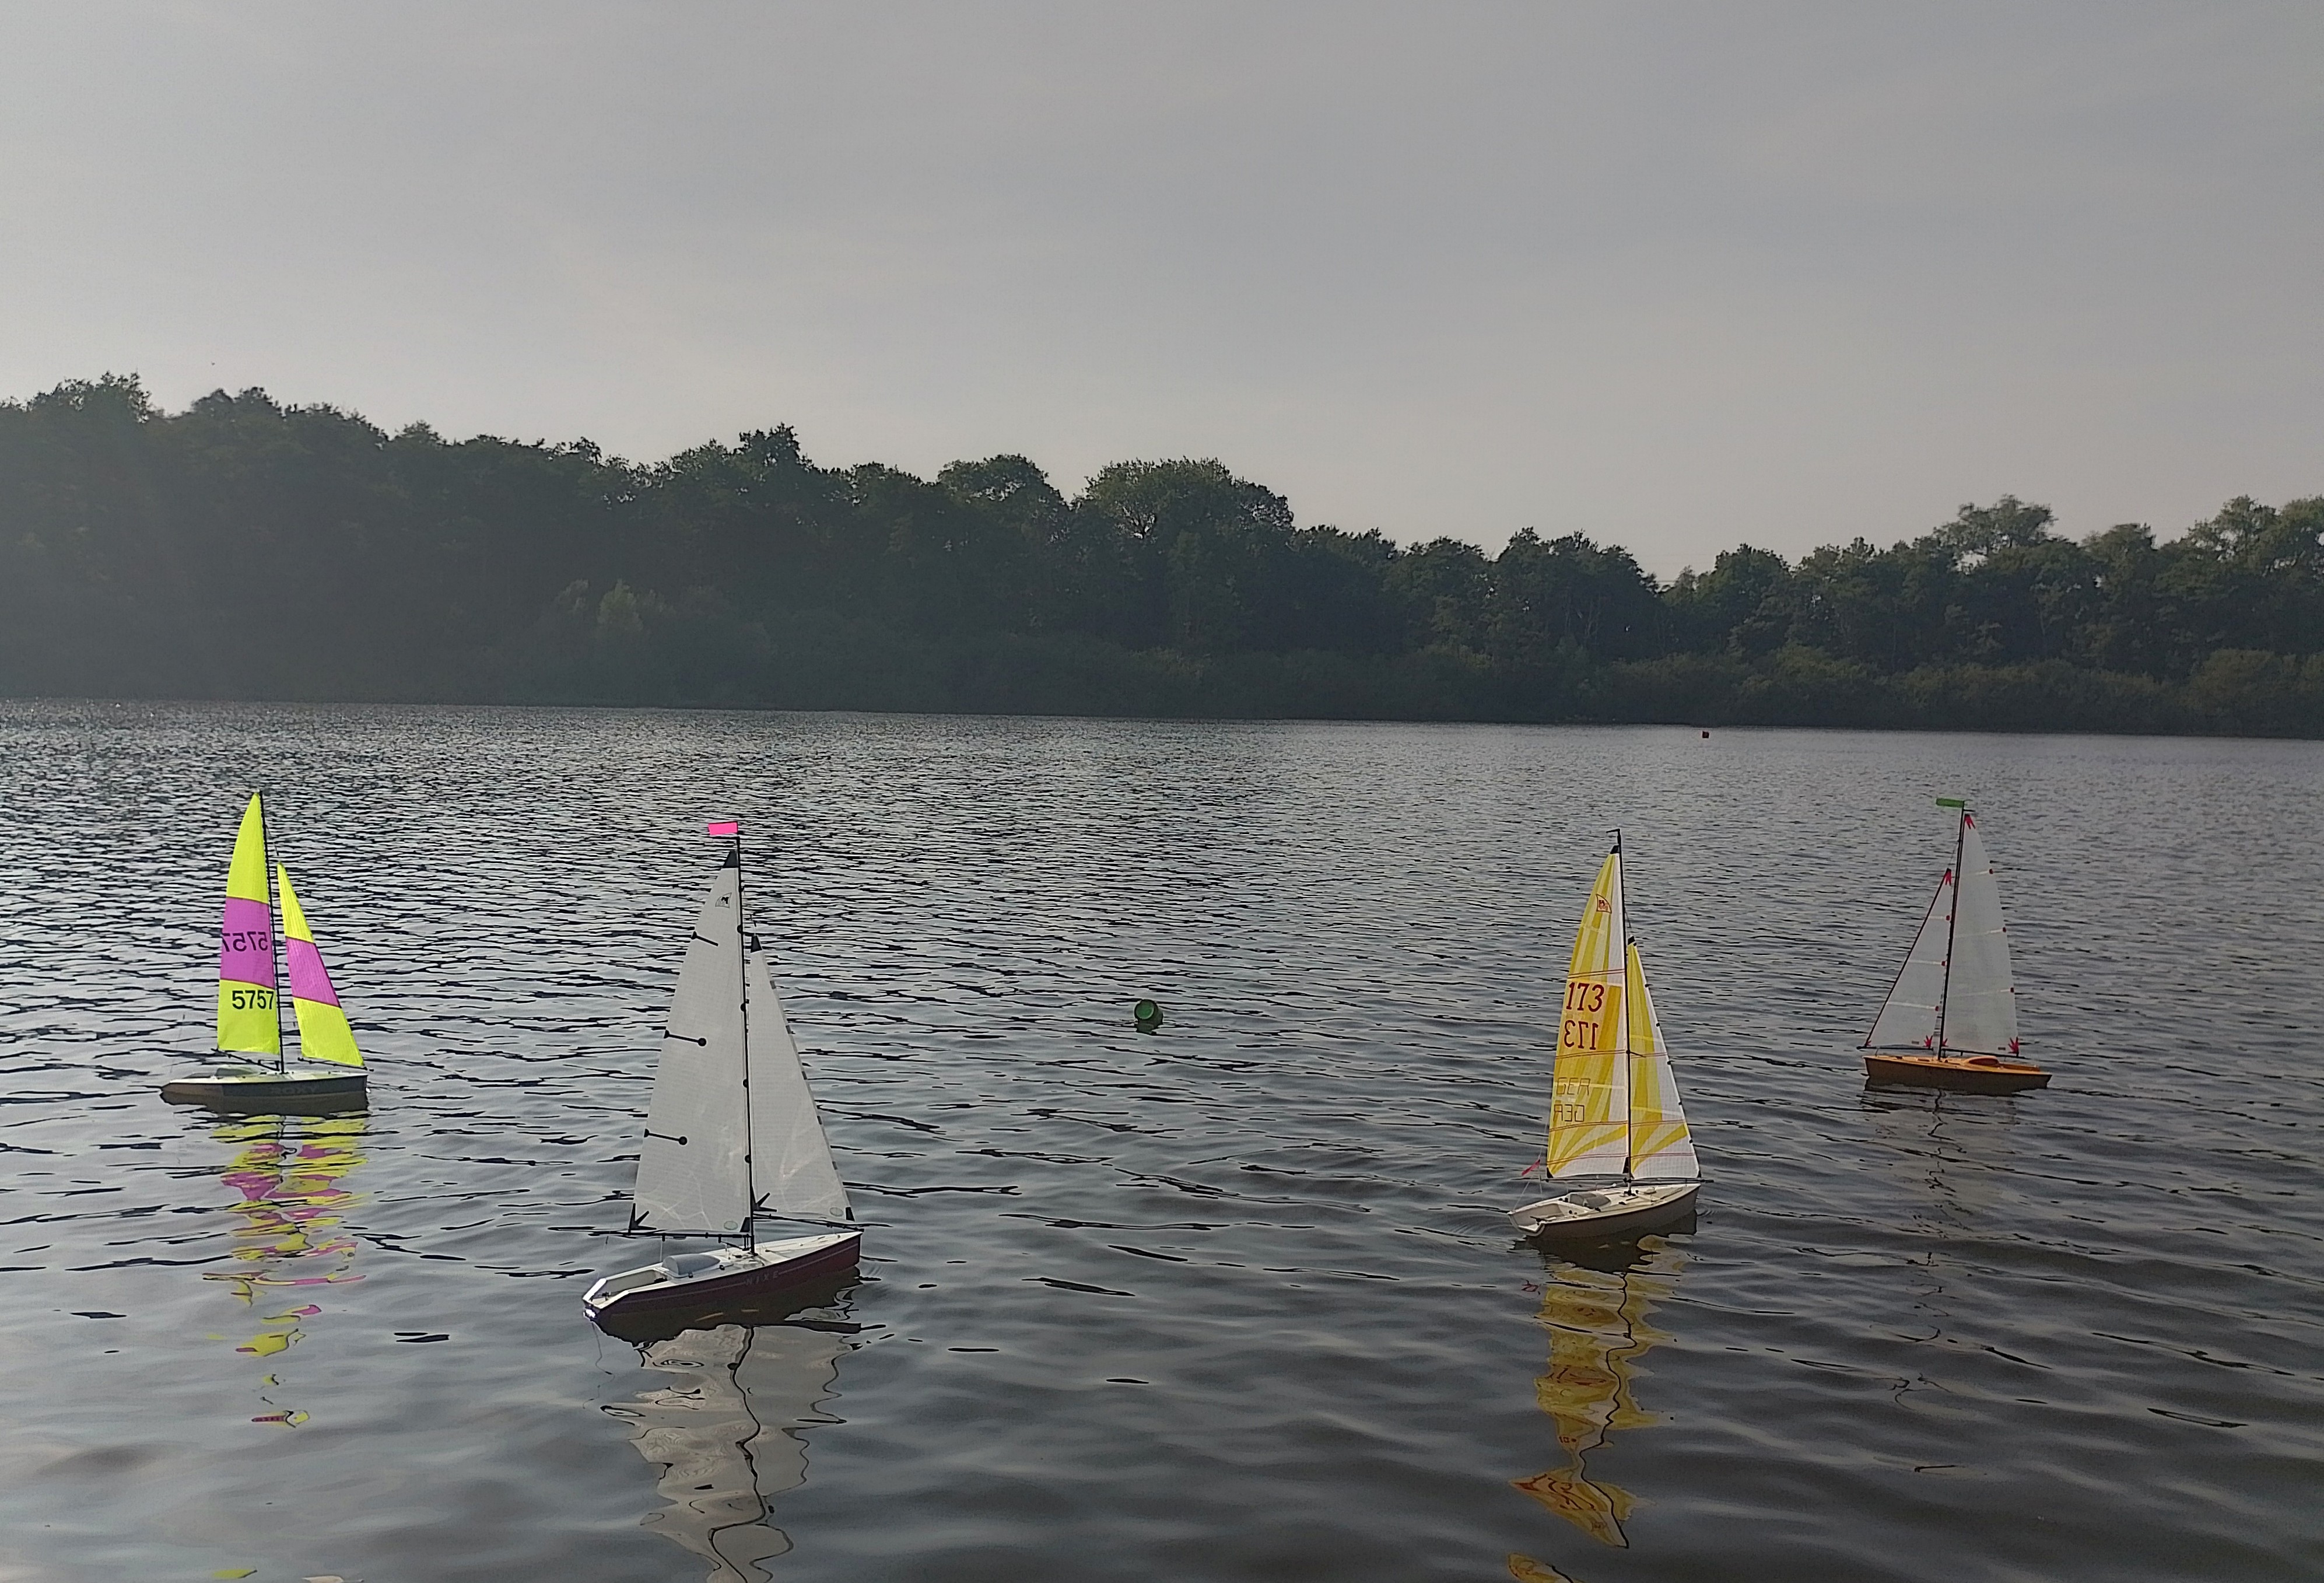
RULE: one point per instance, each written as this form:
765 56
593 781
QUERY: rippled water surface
1232 1300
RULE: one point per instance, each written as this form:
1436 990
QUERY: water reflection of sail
1953 1148
288 1245
1597 1325
727 1433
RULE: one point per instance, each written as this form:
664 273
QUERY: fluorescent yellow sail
248 1020
1589 1115
1660 1146
323 1030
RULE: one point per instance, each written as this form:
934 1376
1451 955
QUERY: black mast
742 959
1952 924
273 939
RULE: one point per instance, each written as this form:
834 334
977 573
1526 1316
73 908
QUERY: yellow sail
248 1021
1660 1145
323 1030
1589 1113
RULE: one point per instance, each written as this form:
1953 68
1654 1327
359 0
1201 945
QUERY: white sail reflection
728 1432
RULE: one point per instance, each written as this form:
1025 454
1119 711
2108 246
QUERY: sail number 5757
250 1000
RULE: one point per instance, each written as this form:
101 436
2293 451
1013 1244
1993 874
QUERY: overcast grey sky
1673 275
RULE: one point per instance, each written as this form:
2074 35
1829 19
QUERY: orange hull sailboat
1950 1019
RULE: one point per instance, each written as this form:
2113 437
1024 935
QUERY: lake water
1233 1300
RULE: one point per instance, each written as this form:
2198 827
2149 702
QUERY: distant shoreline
245 550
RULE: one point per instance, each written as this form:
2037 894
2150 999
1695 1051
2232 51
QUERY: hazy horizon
1674 278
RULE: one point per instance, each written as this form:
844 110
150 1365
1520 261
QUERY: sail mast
743 972
274 940
1952 919
1622 946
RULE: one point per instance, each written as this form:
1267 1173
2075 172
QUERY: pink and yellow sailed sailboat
731 1139
1616 1127
250 1001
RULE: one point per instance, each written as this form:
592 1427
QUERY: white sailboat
732 1138
1615 1122
1950 1019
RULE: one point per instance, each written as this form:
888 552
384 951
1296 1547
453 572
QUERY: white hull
1611 1211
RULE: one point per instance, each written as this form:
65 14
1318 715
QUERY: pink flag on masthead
726 827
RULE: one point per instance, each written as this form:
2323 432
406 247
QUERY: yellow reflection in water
287 1246
726 1431
1597 1330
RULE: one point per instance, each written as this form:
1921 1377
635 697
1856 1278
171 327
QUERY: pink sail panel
246 943
309 980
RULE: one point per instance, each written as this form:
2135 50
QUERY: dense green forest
243 549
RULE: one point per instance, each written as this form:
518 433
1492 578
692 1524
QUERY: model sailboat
250 999
1615 1120
1950 1019
732 1137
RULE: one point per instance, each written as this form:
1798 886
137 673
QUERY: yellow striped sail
323 1030
1590 1101
248 1020
1660 1146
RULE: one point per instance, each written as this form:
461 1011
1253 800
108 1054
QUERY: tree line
246 549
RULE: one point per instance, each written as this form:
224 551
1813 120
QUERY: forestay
1590 1101
790 1161
1660 1145
1980 1004
693 1171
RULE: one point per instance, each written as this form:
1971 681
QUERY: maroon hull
758 1294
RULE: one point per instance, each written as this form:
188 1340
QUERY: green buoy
1147 1015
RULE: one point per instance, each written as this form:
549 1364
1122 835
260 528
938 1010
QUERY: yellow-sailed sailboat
1615 1123
250 1000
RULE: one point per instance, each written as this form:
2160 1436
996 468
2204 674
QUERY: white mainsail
1661 1147
790 1159
694 1169
1981 1005
1908 1018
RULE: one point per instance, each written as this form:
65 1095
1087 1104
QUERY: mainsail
1660 1145
790 1161
694 1169
248 1019
323 1030
1589 1103
1980 1007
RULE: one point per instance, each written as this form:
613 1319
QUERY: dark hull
291 1094
759 1295
1982 1075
